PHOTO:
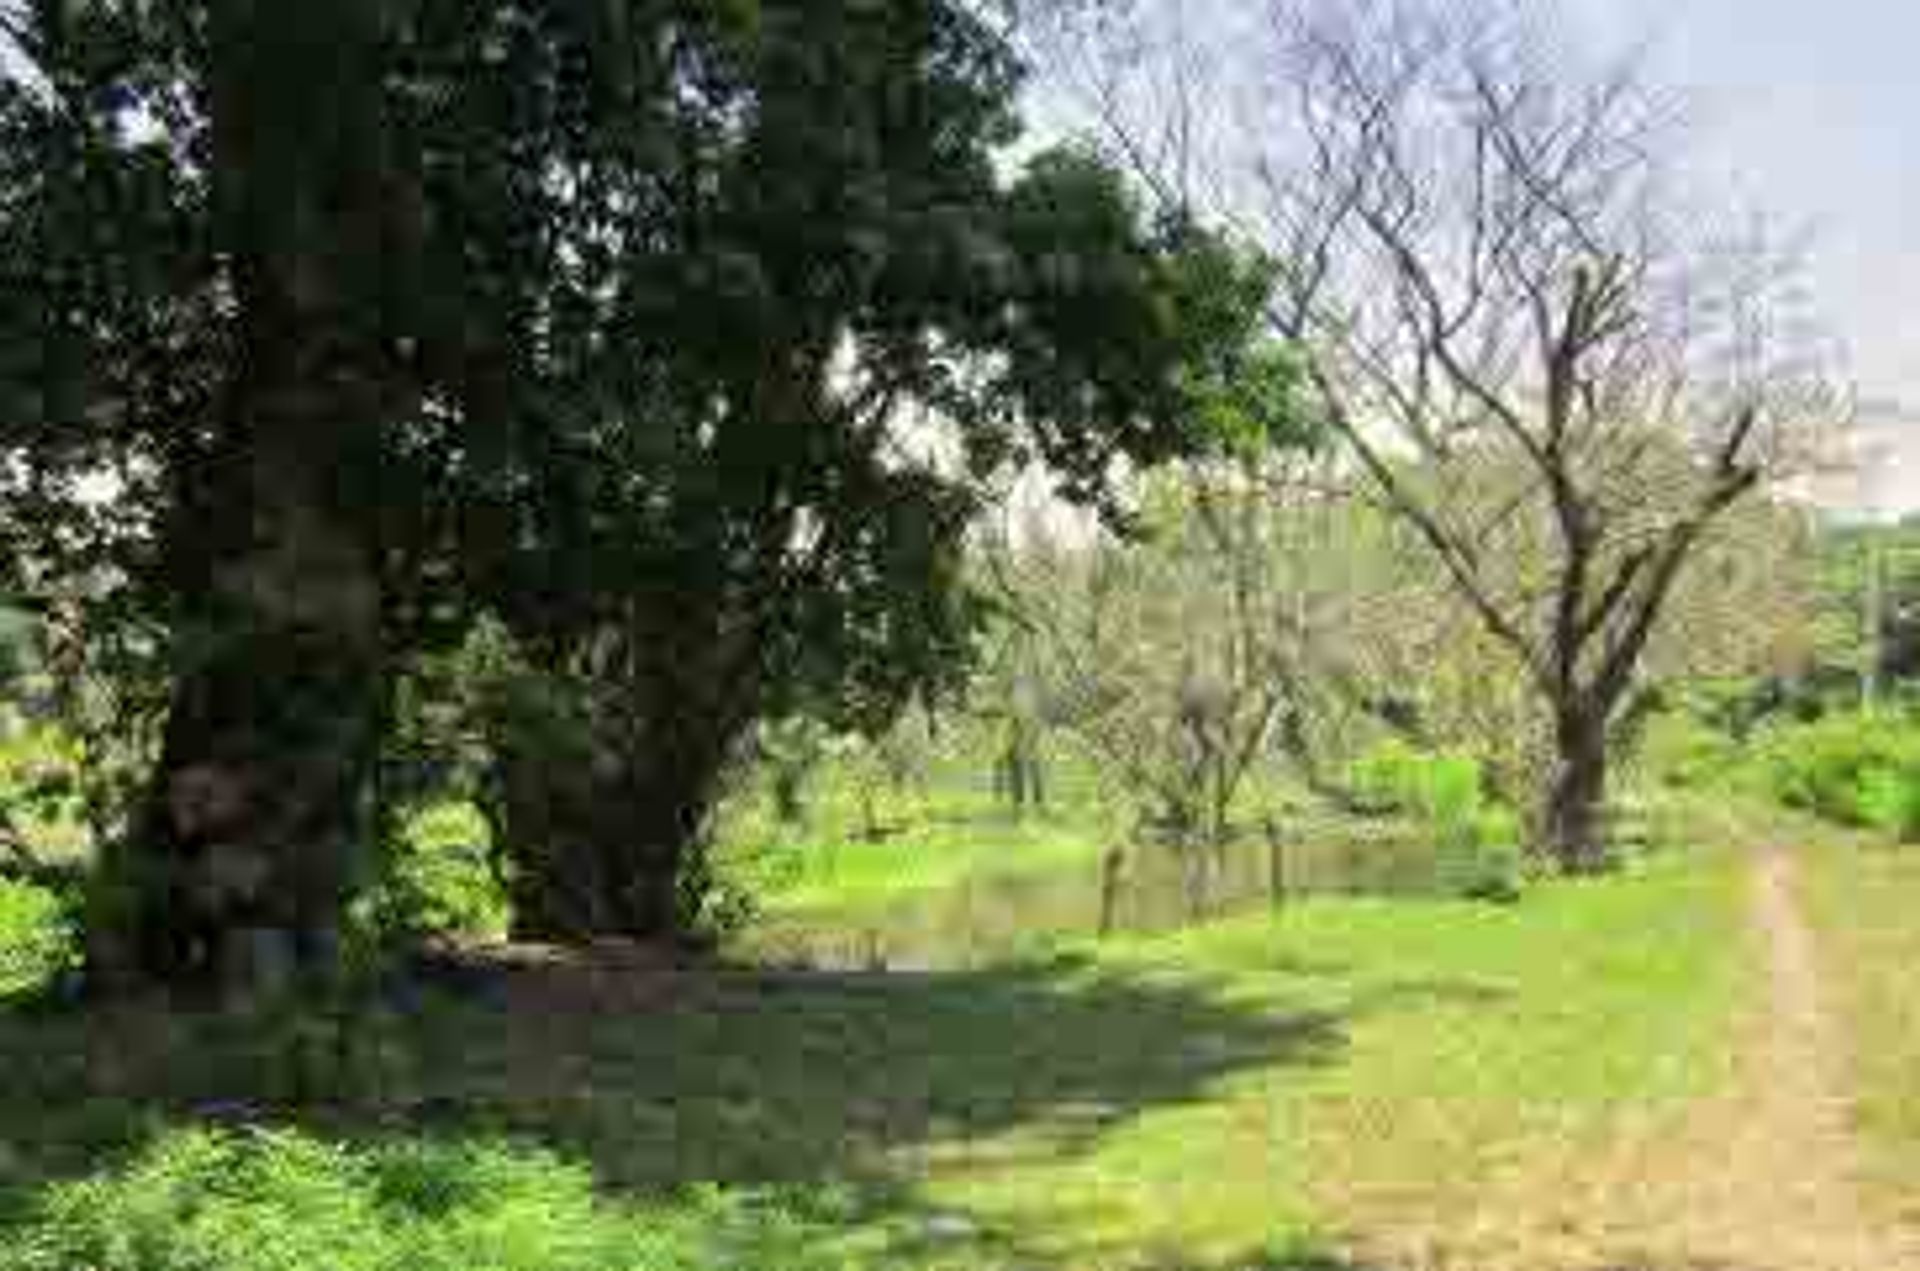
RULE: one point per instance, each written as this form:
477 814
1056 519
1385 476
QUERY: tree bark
606 806
607 855
242 854
249 834
1572 820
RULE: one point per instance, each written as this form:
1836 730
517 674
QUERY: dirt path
1759 1179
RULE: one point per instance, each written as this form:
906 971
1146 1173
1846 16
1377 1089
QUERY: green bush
437 878
1686 752
1477 842
202 1200
37 937
1860 769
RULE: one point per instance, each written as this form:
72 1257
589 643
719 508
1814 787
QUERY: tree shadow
662 1079
764 1077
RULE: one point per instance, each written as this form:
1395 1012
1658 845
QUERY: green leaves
685 340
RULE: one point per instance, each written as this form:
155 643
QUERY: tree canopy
677 337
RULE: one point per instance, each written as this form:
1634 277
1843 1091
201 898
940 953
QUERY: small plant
37 938
437 876
1476 841
204 1200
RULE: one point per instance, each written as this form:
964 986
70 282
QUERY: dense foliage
1860 769
680 339
198 1199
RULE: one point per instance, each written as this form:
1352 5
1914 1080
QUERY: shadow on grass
749 1076
737 1076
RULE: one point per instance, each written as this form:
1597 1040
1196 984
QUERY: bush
437 877
202 1200
1860 769
37 937
1477 842
1688 753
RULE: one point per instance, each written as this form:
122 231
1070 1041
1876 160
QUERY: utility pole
1872 617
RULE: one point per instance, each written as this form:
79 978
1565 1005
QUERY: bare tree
1496 287
1166 654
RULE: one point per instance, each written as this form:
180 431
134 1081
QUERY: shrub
1861 769
203 1200
37 937
437 877
1476 841
1683 751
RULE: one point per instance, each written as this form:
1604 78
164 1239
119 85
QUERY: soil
1760 1178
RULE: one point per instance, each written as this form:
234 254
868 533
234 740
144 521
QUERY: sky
1812 112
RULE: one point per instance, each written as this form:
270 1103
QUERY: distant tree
1869 585
1490 277
1185 656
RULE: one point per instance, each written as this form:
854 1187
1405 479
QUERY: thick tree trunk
608 855
1572 821
246 844
242 855
604 831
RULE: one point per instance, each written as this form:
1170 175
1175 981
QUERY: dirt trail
1758 1179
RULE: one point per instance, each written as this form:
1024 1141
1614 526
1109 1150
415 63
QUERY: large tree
327 327
1535 344
795 542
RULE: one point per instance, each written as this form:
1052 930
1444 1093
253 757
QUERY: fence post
1276 863
1110 866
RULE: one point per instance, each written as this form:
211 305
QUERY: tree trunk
1019 772
606 799
241 856
609 854
1572 820
244 849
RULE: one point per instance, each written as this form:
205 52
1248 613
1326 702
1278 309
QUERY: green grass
199 1199
931 833
1469 1036
1865 900
836 870
1210 1098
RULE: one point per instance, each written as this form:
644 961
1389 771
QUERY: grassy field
864 842
1219 1097
1864 898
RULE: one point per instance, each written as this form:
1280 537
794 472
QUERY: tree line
616 380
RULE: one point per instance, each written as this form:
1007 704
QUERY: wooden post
1110 870
1276 864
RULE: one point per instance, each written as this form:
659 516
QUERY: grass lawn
864 844
1865 899
838 871
1214 1098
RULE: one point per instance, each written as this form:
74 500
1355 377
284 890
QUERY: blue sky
1812 110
